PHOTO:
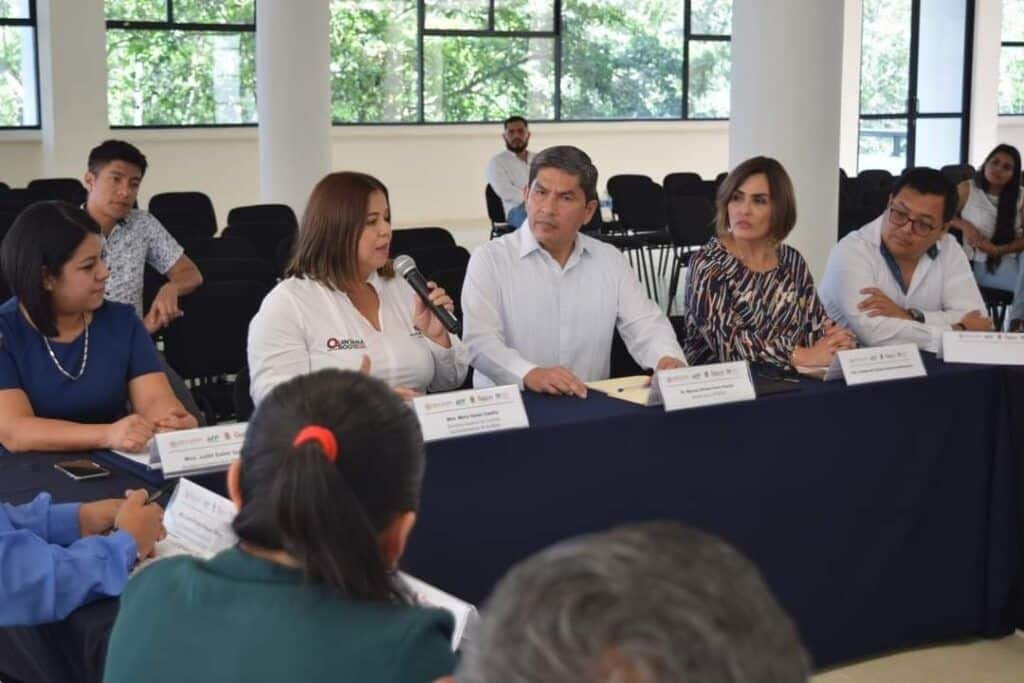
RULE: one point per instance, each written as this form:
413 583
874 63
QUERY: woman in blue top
327 489
71 361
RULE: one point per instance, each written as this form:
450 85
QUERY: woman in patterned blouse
748 296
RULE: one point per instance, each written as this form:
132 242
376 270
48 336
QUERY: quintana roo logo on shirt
335 344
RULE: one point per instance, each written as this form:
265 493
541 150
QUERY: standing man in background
509 170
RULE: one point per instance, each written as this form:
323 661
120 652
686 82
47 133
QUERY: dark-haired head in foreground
344 523
647 603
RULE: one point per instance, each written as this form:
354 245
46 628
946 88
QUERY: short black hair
930 181
116 150
44 235
573 161
515 119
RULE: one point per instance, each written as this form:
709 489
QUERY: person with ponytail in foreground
327 489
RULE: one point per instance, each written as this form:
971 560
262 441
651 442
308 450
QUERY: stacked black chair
997 301
639 206
206 346
689 185
690 223
219 247
957 173
66 189
264 225
264 237
283 255
280 214
186 215
406 239
243 400
863 198
16 199
496 213
221 269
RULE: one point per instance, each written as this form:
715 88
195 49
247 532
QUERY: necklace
85 354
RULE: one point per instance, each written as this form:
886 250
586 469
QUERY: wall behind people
435 173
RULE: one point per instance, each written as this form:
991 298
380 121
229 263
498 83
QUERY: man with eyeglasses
903 278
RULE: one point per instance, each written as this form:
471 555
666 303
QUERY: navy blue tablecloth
882 515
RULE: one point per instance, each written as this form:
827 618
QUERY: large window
181 62
448 61
19 93
1011 59
914 90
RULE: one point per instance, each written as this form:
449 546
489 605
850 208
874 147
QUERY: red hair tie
321 435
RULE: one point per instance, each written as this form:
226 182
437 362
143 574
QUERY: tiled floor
976 661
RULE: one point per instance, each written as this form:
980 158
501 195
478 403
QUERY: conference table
882 516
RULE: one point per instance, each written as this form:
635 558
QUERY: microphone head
403 264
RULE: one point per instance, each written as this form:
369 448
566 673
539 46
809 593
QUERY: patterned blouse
733 313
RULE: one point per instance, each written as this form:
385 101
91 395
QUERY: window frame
170 25
556 34
1003 44
30 22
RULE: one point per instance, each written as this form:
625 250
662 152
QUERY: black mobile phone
82 469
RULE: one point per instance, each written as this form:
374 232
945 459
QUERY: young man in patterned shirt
133 238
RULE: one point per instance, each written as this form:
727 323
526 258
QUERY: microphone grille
404 264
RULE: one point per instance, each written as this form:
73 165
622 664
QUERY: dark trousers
69 651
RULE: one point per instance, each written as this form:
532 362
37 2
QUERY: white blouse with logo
304 326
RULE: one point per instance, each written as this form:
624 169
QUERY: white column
72 83
294 98
984 127
849 122
785 103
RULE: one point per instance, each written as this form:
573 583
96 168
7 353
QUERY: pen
157 495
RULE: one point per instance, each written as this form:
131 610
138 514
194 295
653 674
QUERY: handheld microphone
406 267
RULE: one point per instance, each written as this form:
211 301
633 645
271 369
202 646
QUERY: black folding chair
219 247
690 223
264 237
997 301
186 215
229 269
496 213
638 204
280 214
65 189
957 173
206 346
419 238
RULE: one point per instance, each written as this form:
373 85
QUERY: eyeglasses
900 218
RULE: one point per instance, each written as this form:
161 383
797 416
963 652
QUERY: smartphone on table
82 469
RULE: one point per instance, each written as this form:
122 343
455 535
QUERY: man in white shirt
540 305
903 278
508 170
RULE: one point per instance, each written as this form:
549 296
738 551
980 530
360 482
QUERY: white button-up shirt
943 288
509 175
303 326
522 310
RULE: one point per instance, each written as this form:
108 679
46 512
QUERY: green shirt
237 618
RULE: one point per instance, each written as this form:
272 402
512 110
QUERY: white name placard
467 618
198 451
704 385
881 363
198 523
990 348
473 411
